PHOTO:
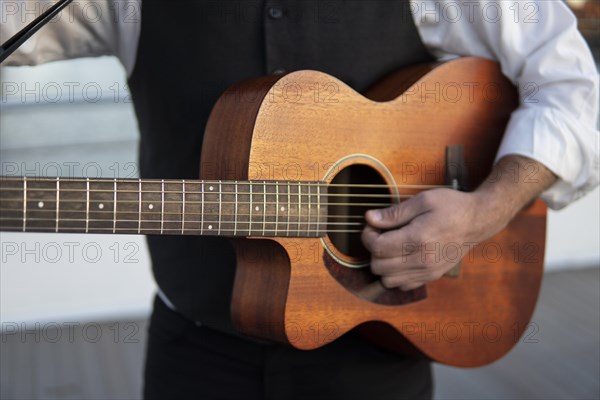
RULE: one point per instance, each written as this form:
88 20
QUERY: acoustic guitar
289 165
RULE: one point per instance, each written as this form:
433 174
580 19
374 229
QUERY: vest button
278 71
275 12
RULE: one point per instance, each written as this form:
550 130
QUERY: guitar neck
163 207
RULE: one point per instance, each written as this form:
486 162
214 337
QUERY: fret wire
182 206
87 205
57 203
115 206
162 205
309 209
264 206
220 202
299 208
202 211
318 207
235 212
24 203
276 207
287 229
140 206
251 209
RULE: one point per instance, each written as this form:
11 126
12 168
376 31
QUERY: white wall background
76 118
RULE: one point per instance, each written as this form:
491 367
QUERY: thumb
394 216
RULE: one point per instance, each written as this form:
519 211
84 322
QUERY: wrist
510 186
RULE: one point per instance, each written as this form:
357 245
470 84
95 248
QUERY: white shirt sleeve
85 28
541 51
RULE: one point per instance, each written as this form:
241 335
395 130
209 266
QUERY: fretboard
156 207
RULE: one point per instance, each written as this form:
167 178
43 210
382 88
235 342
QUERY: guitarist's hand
419 240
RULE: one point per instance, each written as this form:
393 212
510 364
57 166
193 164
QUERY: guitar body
308 126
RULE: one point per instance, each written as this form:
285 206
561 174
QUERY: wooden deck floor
560 359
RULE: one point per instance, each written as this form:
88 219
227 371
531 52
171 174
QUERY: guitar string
181 193
192 181
299 194
307 222
260 220
188 231
140 193
136 193
158 213
134 230
190 202
367 195
199 182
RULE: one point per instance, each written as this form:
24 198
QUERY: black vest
191 51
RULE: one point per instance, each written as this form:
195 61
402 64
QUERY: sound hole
352 192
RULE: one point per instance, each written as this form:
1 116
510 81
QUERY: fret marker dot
257 208
210 188
41 204
101 206
282 208
150 206
210 227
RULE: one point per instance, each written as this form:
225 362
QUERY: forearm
514 182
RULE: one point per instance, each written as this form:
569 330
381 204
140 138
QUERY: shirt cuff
569 149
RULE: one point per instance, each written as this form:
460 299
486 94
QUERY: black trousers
186 361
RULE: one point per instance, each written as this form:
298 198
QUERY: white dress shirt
536 42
